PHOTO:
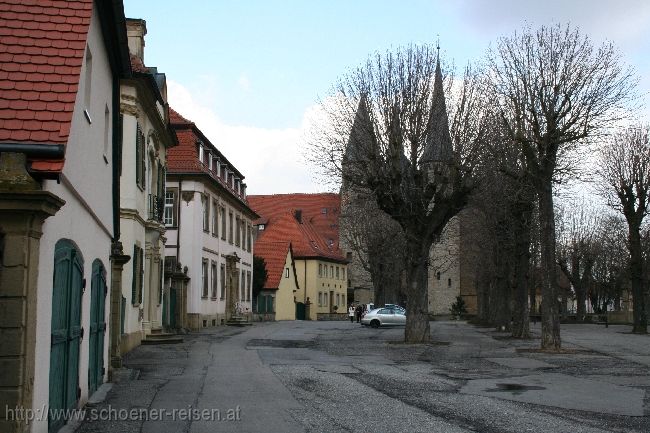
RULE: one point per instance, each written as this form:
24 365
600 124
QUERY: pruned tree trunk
550 308
636 276
417 297
521 309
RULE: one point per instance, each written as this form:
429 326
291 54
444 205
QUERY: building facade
58 223
146 136
209 234
275 301
310 222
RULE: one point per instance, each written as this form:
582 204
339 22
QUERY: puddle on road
514 388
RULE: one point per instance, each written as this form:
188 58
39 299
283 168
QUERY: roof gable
275 259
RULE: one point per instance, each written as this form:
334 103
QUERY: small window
201 153
140 159
215 217
204 278
438 276
338 276
230 228
286 272
324 211
260 227
205 202
320 269
223 281
170 208
449 282
214 279
223 223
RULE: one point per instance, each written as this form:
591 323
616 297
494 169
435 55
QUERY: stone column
118 260
24 207
232 289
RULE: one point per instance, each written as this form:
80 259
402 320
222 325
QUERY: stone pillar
118 260
24 207
232 289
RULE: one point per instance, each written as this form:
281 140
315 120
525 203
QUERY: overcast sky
250 73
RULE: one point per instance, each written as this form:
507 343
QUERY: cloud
244 83
270 159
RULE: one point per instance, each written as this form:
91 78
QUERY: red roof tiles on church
42 45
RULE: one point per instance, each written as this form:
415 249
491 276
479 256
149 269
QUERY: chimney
136 29
298 215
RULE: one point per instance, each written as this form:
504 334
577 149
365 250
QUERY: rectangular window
331 271
337 299
338 277
204 279
320 299
237 231
230 227
170 208
201 153
138 275
215 217
209 160
215 279
223 281
343 274
140 157
223 223
205 202
249 241
286 272
320 269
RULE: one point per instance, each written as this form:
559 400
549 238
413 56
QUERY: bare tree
554 91
624 169
388 133
578 249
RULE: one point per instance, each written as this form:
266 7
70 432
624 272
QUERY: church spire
362 142
438 146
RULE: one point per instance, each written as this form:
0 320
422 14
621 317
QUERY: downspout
117 157
178 225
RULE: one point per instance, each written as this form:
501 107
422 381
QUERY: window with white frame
204 276
215 279
205 202
170 207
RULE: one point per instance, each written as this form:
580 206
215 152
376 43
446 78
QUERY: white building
59 121
209 231
146 136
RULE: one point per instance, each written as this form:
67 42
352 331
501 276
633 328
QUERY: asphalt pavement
307 376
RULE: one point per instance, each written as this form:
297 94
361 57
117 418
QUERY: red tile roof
304 237
42 45
275 257
184 158
320 210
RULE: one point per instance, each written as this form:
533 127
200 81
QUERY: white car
384 317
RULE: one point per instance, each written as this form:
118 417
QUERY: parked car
395 306
384 317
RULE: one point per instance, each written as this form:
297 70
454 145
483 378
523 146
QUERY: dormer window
261 227
201 153
209 161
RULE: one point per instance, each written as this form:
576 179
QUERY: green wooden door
300 311
68 285
97 327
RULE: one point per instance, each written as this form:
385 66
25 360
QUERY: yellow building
276 299
310 223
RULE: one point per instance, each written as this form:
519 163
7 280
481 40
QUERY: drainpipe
117 157
35 150
178 225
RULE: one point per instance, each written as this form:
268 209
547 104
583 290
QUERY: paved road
342 377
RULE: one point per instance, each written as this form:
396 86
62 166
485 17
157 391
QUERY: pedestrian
351 313
359 310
